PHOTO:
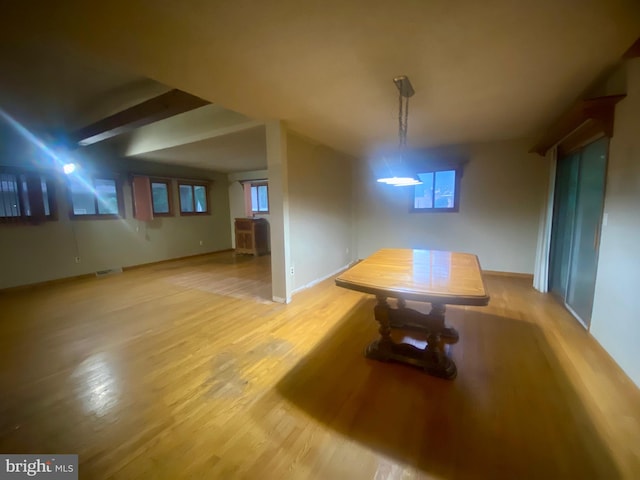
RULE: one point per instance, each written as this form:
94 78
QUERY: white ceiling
482 70
234 152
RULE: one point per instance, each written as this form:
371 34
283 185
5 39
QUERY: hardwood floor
186 370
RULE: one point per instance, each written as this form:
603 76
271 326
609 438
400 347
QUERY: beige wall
615 321
320 208
31 254
502 189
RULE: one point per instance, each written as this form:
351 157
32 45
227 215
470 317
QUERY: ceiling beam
152 144
158 108
201 124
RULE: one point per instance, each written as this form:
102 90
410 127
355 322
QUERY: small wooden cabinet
252 236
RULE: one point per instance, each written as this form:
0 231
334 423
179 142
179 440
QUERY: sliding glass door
564 209
577 220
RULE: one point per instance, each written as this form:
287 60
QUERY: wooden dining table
436 277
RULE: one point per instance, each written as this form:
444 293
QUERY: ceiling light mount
404 86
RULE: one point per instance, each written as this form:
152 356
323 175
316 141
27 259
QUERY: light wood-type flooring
185 370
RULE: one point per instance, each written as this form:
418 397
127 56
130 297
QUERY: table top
432 276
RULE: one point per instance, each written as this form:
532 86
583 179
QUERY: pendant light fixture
398 176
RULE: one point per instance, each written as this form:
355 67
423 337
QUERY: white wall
31 254
320 209
502 190
615 321
236 197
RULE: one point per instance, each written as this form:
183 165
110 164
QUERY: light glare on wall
69 168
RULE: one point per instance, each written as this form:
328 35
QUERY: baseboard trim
322 279
185 257
495 273
84 276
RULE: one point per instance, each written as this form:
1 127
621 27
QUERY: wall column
281 282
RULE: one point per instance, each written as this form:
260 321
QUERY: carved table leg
432 359
381 349
436 362
450 334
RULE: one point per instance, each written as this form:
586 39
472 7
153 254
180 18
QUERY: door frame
561 155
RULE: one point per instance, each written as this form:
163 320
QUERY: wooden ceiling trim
163 106
585 119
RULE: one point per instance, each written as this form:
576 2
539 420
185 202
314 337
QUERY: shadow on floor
511 413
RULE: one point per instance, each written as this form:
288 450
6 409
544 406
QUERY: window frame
169 183
192 184
98 216
49 181
456 194
257 185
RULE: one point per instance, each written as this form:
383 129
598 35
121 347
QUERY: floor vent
109 271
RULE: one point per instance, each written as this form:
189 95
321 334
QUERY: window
26 196
194 198
439 192
161 197
98 197
259 198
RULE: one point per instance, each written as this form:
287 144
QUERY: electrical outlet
77 259
292 271
201 243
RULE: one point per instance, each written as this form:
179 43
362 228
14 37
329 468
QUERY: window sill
434 210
